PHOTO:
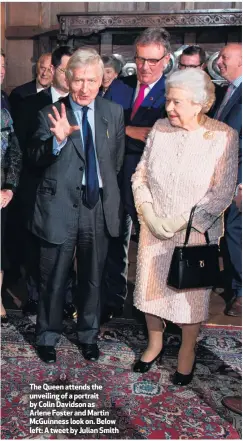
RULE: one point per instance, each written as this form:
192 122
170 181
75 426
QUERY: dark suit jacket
232 115
122 92
19 94
57 195
26 121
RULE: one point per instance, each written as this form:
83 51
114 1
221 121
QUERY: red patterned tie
138 101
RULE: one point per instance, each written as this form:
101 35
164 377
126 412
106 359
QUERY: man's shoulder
124 82
37 101
25 89
110 106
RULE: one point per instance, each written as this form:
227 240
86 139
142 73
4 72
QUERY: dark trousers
88 240
116 269
233 236
32 266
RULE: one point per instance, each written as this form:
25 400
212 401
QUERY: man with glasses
192 57
25 126
142 97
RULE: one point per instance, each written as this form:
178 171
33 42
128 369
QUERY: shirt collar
76 106
237 81
150 86
39 88
56 95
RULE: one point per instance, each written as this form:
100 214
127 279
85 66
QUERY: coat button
81 168
75 205
77 188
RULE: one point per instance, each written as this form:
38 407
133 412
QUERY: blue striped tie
92 182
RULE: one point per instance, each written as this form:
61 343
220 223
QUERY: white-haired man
79 148
43 80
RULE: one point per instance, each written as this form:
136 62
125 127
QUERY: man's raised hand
61 127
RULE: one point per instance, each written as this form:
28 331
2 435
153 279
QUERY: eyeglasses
150 61
186 66
61 70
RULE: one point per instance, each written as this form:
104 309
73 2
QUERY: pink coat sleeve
221 191
140 186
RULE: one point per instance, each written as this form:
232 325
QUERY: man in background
192 57
230 112
43 79
142 97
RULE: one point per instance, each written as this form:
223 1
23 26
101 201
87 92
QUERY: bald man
230 112
43 80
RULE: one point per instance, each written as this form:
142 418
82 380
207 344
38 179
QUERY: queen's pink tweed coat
180 169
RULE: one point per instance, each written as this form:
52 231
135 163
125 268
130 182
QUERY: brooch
208 135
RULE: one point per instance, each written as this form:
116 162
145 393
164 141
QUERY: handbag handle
189 227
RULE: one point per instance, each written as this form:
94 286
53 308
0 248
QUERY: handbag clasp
202 264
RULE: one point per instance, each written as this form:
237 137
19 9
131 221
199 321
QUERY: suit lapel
101 130
227 108
75 137
46 97
155 93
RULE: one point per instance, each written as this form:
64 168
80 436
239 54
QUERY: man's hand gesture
61 127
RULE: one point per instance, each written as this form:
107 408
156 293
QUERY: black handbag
194 266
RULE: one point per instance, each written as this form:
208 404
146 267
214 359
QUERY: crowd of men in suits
80 151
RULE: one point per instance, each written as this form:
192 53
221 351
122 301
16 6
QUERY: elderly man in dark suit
78 149
142 97
43 79
230 112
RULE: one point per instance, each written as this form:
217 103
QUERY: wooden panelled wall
22 23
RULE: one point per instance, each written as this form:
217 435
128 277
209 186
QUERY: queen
189 159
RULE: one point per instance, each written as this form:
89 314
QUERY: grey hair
157 36
111 61
195 81
81 58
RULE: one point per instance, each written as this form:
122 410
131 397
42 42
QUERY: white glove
154 223
175 224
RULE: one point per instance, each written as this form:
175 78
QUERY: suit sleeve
15 162
120 141
40 147
15 100
221 192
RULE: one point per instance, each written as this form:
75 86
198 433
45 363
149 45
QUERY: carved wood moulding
86 23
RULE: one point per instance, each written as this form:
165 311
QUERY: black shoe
69 311
181 379
90 351
47 353
4 319
145 366
30 307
